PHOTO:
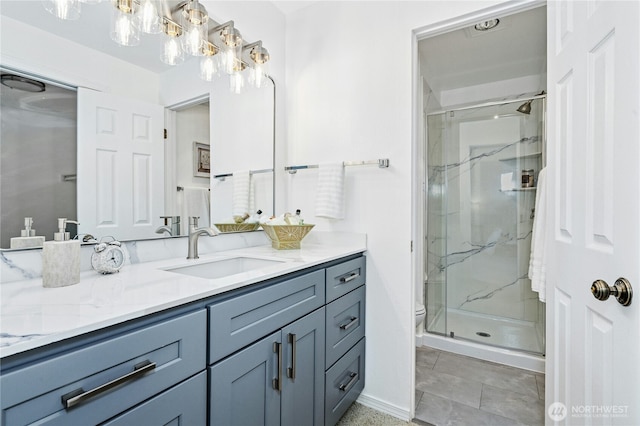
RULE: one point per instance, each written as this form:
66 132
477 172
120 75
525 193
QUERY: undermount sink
224 267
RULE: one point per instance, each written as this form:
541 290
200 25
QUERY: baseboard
384 407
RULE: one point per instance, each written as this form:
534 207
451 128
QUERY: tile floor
458 390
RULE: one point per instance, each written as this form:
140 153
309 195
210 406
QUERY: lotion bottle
61 258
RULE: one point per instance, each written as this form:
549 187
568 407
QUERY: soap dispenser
27 237
61 258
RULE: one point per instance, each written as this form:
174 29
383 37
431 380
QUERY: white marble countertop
32 316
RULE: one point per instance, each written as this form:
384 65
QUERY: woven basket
286 237
236 227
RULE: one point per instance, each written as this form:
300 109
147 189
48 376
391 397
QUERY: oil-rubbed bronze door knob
621 290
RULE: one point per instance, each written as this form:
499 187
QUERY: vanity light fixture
125 25
210 62
231 45
258 65
172 53
63 9
184 28
195 23
150 22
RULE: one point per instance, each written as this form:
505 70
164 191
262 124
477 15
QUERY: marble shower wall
478 225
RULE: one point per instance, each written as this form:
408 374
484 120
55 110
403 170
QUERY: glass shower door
486 215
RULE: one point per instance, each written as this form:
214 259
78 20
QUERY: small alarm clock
107 258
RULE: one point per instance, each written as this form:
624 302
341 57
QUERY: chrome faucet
163 229
171 225
194 233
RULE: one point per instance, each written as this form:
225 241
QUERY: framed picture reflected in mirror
201 160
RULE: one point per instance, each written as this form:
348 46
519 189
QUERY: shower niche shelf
522 157
533 188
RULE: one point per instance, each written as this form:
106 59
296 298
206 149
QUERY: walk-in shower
482 169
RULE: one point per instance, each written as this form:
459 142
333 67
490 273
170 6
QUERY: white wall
350 97
32 50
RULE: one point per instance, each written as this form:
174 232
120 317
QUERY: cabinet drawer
182 405
237 322
344 277
343 383
34 393
345 324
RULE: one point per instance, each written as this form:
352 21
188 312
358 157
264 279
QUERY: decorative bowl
236 227
286 237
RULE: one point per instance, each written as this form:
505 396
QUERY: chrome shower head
525 108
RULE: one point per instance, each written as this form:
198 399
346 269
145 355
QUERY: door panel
593 376
121 171
303 391
240 387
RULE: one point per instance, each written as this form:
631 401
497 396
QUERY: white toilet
420 314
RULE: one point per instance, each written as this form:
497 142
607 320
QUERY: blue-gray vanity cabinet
261 384
67 386
240 387
302 401
278 380
343 383
238 321
183 405
345 324
345 336
344 277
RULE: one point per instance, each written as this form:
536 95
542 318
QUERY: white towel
537 262
330 193
241 192
195 202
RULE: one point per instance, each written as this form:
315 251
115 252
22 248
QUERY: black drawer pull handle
353 379
291 371
277 382
78 396
352 321
351 277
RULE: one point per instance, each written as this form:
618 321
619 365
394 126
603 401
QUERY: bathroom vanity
280 339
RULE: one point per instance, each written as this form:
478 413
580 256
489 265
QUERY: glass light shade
91 1
150 22
63 9
259 70
231 48
172 53
193 39
236 79
195 23
258 75
210 62
209 67
125 26
236 82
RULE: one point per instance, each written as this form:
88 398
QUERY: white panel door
120 166
593 346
